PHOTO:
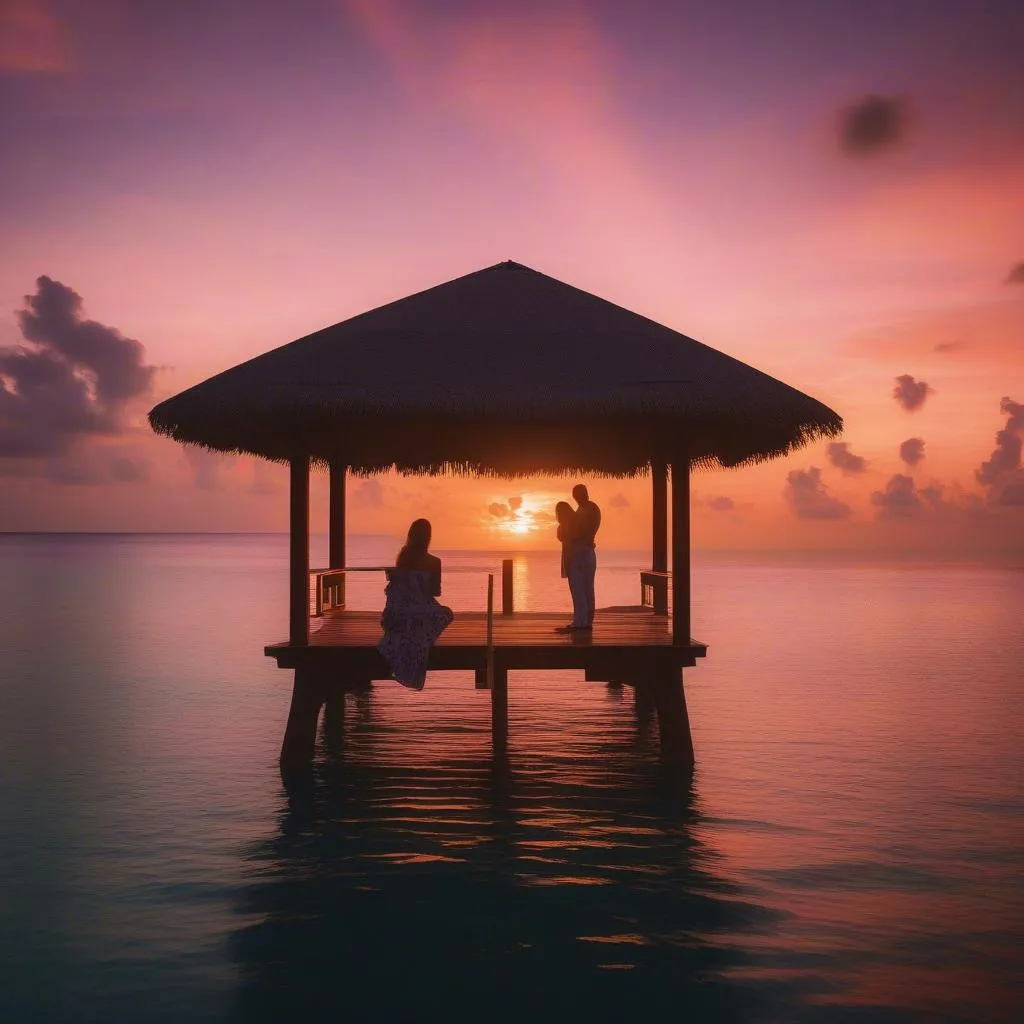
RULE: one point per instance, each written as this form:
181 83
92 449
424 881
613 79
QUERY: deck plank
345 628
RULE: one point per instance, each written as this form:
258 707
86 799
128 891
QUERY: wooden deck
626 643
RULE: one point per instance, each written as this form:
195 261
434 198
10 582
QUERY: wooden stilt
499 709
681 551
659 533
673 721
298 562
300 732
336 527
481 678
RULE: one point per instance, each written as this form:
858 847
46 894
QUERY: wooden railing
654 590
328 586
329 593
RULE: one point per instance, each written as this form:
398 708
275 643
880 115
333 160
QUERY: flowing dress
412 621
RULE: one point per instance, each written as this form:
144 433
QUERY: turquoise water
850 847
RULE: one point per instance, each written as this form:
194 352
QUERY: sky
833 193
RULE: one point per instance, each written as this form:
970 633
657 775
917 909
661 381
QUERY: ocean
850 847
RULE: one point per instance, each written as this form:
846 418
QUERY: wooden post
298 564
673 721
336 527
659 533
507 598
680 551
300 733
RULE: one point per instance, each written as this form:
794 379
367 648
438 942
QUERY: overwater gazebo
503 372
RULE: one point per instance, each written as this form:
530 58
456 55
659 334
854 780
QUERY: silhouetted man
589 520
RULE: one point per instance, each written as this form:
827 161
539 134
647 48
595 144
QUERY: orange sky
694 166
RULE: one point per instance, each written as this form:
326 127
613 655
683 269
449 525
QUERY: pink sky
214 185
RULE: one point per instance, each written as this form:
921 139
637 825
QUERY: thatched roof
507 371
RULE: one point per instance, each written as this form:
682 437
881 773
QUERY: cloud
618 500
514 504
912 450
948 346
720 503
94 465
910 393
500 511
808 497
1016 274
841 457
1001 474
872 125
900 499
69 380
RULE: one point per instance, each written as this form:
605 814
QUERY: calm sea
851 847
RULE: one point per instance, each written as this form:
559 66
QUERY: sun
518 526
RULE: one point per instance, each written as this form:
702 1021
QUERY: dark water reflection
481 888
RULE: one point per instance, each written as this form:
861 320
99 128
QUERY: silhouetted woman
572 567
413 618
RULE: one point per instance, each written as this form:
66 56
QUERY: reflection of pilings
524 879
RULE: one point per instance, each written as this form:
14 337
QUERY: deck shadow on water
483 889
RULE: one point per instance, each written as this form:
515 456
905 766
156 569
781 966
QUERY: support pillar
659 533
300 732
336 526
673 721
681 551
298 562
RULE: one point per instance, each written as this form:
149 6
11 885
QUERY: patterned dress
412 621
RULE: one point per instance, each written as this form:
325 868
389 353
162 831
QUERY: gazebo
502 372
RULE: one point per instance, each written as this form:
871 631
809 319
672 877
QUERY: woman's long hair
416 544
564 513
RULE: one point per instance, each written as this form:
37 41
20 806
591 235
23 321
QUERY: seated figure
413 618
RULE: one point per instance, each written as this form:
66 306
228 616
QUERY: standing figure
588 518
413 618
572 565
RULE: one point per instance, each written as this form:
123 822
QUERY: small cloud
721 503
872 125
808 497
910 393
842 458
500 511
515 504
369 494
1016 274
618 500
949 346
912 450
